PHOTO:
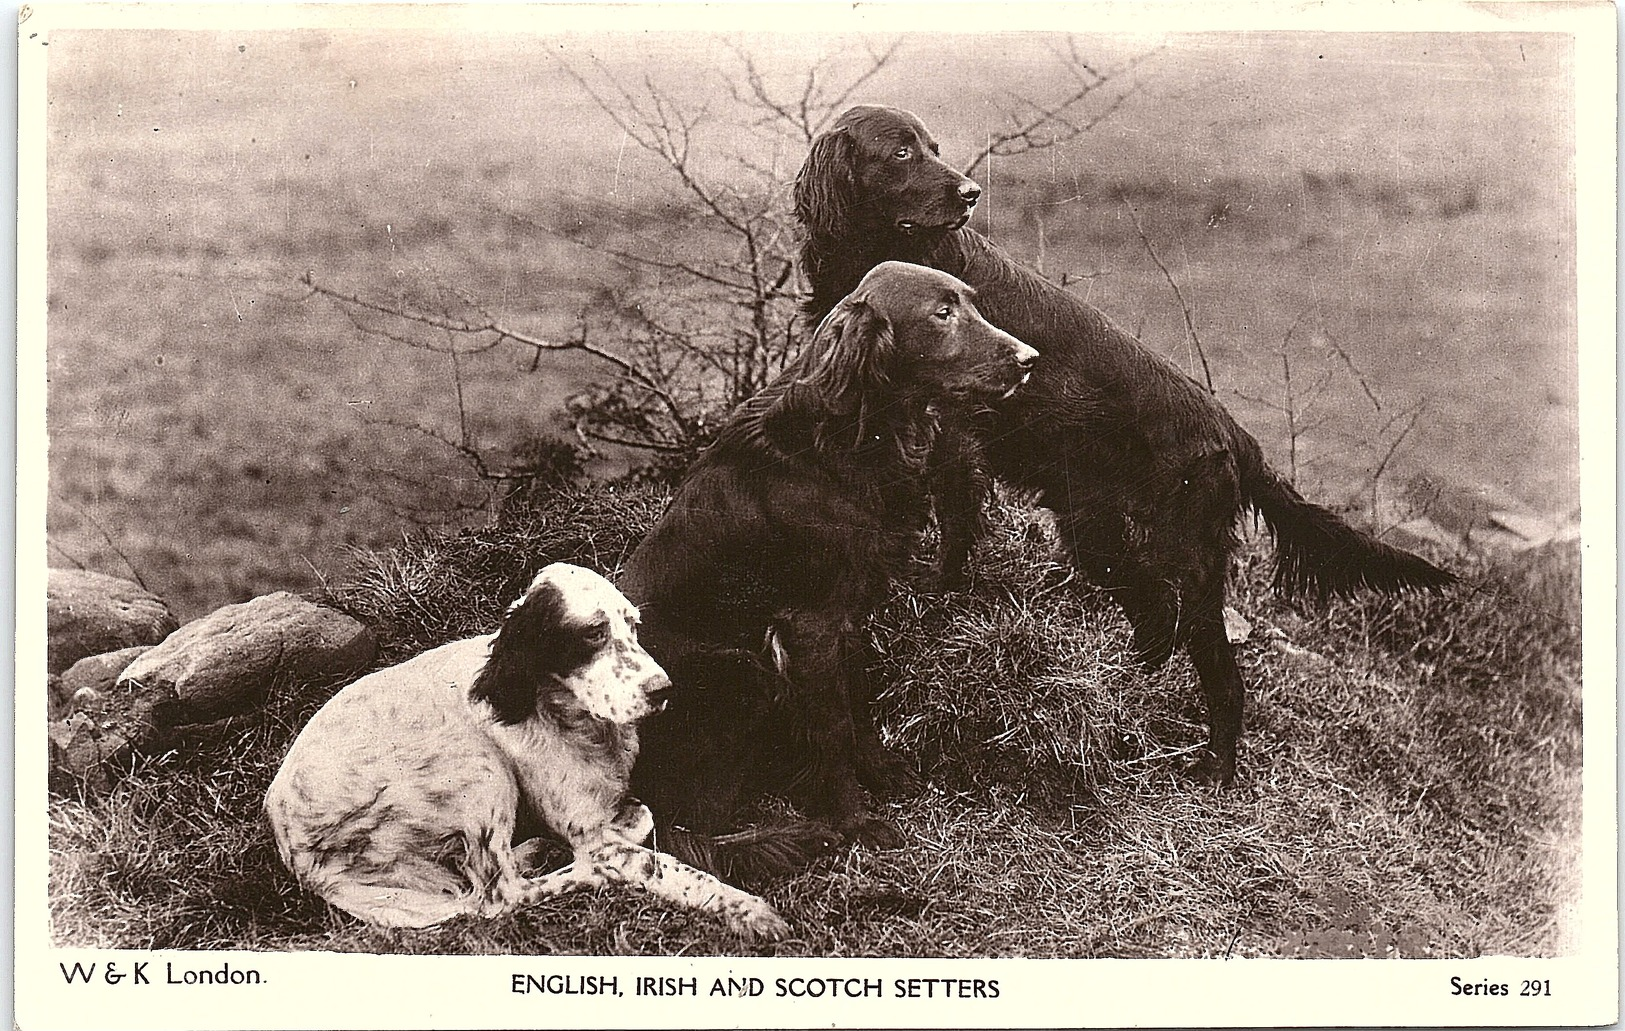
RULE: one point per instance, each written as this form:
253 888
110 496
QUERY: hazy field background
1406 196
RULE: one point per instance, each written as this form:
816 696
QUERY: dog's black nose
969 191
658 691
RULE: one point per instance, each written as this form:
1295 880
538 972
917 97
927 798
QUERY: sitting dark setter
755 583
1147 474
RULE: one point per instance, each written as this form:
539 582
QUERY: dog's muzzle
1025 358
657 691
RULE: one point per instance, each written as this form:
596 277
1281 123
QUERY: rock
1413 534
57 701
1279 642
81 753
1535 531
1529 526
223 664
1459 508
95 745
90 613
95 674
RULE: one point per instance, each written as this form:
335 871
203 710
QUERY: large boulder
89 679
223 664
89 613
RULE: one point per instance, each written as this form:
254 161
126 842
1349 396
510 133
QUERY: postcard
788 515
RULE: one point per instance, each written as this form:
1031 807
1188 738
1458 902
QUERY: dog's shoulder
774 430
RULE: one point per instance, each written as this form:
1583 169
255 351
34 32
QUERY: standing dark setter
1146 472
756 581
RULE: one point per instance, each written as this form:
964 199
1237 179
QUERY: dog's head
876 172
912 331
569 647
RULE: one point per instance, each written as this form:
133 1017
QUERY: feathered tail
1319 554
751 856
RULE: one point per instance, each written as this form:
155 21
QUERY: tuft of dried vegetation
438 587
1410 781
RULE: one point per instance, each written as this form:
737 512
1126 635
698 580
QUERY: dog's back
343 809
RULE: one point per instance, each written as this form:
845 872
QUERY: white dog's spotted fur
612 684
397 802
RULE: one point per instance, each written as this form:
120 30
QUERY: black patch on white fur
532 651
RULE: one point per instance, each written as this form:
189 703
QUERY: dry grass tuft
434 588
1409 787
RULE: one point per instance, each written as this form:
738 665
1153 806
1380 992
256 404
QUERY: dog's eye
945 312
596 634
903 153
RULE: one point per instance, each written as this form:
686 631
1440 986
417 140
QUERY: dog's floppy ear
851 350
824 187
531 652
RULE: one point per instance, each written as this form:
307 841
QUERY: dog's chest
575 787
890 474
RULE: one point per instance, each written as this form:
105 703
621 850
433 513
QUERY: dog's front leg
665 877
879 769
819 645
960 485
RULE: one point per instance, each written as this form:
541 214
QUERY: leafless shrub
686 334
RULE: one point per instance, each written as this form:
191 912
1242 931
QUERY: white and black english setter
398 801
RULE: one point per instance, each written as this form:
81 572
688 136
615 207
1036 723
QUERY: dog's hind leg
1168 609
1153 615
419 889
1149 603
1222 686
394 906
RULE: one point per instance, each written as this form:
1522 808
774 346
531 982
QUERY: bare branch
1274 406
1359 377
661 128
1049 125
664 447
410 485
502 332
1184 306
811 112
65 553
1382 466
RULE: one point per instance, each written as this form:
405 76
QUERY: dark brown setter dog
783 536
1146 472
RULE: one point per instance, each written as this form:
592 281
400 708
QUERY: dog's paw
1208 768
954 579
874 833
757 920
889 775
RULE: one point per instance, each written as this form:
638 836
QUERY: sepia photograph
816 483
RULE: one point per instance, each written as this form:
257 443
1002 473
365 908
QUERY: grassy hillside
1409 785
218 432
